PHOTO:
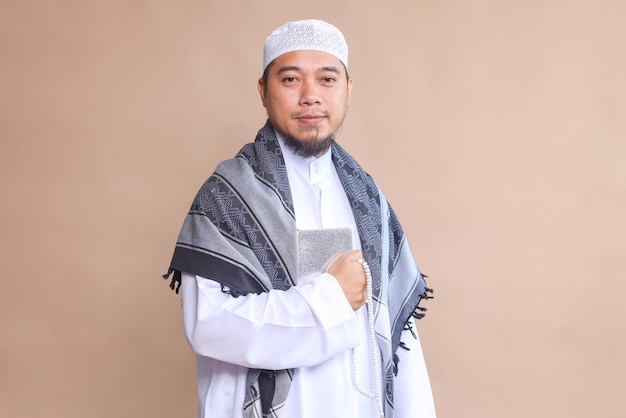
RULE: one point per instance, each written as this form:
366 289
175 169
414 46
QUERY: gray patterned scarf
241 232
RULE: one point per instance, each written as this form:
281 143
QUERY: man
269 340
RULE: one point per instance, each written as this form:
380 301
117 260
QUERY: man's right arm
299 327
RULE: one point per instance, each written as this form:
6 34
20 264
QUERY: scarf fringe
418 311
176 280
409 324
396 358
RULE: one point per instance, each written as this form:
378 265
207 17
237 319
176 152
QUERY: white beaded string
373 346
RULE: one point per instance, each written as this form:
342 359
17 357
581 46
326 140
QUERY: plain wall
495 128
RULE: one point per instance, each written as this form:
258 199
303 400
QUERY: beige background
496 129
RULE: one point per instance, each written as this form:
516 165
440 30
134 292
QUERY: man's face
307 95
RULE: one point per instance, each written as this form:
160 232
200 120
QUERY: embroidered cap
309 35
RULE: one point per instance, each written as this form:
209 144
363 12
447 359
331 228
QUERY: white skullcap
305 35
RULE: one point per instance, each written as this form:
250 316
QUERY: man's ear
261 88
349 89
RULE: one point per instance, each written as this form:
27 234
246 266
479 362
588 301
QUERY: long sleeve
300 327
413 396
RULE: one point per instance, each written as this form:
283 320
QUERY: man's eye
329 79
289 79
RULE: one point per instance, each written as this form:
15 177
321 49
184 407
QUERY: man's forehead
308 60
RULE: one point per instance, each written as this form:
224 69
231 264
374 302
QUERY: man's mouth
311 118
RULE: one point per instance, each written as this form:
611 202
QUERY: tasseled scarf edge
417 313
176 280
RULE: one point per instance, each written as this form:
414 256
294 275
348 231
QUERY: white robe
314 319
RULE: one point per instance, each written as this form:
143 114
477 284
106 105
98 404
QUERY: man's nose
310 94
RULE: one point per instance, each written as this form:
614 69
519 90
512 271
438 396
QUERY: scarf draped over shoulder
241 232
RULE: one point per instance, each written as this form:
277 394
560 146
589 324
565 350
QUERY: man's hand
350 276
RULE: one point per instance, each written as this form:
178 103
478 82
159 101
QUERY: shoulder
233 167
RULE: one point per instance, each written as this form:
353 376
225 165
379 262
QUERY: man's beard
313 147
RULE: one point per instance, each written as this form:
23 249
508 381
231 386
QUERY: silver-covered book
318 247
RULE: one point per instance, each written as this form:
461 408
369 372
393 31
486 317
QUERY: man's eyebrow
296 68
288 68
330 69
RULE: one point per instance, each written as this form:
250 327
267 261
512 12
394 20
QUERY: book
318 247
